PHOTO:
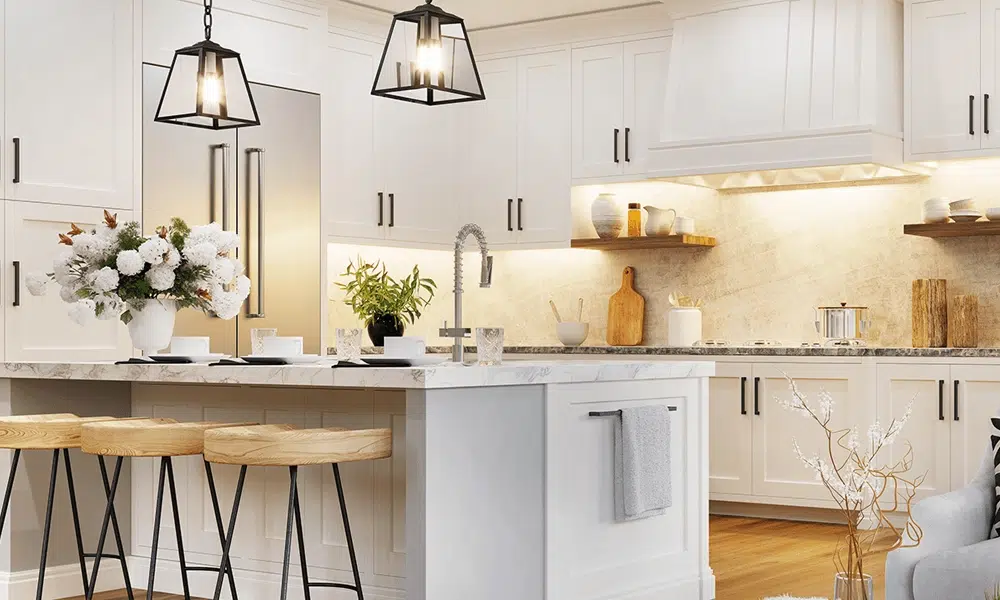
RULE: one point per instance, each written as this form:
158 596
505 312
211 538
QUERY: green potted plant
386 305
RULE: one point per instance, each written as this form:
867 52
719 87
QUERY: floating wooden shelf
944 230
646 243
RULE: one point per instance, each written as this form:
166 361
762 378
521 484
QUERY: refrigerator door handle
225 185
259 314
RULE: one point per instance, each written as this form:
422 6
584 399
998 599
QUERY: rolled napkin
642 463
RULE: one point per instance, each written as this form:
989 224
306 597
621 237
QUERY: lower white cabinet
730 431
976 399
38 328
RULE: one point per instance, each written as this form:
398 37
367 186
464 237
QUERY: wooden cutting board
626 311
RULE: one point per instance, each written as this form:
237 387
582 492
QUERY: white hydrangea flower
201 254
68 294
154 249
226 241
161 278
205 234
130 262
83 311
223 270
242 287
36 283
226 305
173 259
62 268
113 307
104 280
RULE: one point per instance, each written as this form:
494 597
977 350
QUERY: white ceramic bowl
572 333
963 204
993 214
936 217
936 202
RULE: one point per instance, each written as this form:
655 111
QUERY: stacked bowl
936 210
965 211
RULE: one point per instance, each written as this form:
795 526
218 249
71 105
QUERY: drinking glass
489 345
349 344
257 339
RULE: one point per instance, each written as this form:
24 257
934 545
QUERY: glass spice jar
634 219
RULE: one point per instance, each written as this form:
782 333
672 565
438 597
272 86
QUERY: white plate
204 358
967 212
965 218
298 359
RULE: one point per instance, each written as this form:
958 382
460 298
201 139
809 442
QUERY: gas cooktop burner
711 343
845 343
762 343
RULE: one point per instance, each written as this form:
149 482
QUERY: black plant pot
384 326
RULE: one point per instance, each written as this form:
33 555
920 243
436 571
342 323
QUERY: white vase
608 216
152 325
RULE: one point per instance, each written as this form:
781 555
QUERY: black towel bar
618 413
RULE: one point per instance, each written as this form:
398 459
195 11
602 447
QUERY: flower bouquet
115 272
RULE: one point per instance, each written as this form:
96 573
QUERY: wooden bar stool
285 446
163 439
59 433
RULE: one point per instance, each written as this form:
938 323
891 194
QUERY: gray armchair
956 560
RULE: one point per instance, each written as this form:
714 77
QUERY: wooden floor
752 559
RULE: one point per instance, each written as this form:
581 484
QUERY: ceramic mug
404 347
282 346
684 225
190 346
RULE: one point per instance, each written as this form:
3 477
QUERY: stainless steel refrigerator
262 182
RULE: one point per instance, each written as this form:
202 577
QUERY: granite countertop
323 374
732 351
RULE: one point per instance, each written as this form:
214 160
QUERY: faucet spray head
486 276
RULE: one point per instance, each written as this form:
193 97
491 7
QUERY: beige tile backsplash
780 254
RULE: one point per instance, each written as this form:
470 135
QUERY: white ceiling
490 13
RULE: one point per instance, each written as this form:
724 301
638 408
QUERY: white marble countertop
324 375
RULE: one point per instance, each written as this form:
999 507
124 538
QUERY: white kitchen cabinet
929 430
730 416
777 472
617 106
350 172
976 399
38 328
68 102
944 76
990 72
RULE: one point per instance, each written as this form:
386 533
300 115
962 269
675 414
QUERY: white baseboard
63 581
251 585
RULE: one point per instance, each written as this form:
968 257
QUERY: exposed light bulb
211 94
430 58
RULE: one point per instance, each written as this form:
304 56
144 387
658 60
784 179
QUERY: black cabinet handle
955 401
520 205
940 399
743 395
17 160
756 396
617 131
972 108
510 207
392 210
381 209
17 283
986 114
627 132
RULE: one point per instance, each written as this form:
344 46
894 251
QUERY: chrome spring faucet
457 332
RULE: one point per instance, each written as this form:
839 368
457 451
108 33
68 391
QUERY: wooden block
963 322
930 313
626 312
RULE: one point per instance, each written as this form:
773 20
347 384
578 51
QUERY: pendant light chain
208 19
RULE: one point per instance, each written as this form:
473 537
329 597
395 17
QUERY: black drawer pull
940 399
756 396
955 402
743 395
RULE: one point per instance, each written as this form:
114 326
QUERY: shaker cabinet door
69 132
598 130
646 63
730 420
39 328
977 400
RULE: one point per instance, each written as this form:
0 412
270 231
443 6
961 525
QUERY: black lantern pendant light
207 86
428 59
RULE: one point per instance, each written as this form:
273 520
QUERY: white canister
683 326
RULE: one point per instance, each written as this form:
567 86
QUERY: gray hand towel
642 463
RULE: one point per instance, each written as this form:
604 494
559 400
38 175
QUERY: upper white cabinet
278 40
68 102
781 84
617 106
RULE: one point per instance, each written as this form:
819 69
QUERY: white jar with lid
683 326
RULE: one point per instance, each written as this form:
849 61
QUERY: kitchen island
500 485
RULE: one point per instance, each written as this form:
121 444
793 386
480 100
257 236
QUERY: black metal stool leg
293 474
228 540
347 531
302 545
10 488
157 514
108 512
226 565
48 524
118 534
177 528
76 518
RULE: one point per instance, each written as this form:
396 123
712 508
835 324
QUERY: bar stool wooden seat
163 439
285 446
58 432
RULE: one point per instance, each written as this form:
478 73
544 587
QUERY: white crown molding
680 9
352 17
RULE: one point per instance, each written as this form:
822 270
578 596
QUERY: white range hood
771 93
